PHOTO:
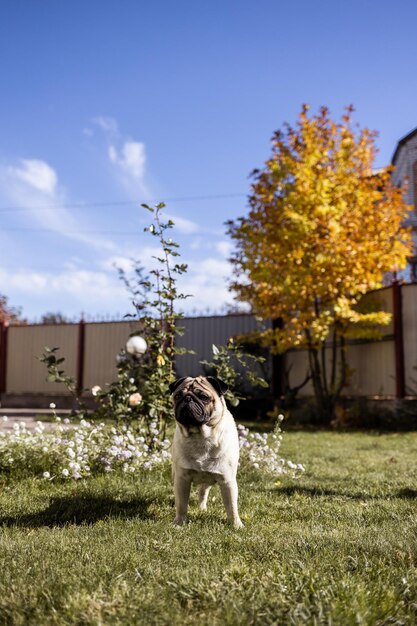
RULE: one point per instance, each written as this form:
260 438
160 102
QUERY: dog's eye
203 397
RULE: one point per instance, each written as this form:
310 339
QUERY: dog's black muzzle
190 411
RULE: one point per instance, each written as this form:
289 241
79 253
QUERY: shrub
79 450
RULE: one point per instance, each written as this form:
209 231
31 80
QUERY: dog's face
198 400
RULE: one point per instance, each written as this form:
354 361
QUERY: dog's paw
180 520
237 523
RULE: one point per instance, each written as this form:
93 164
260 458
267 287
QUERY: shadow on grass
82 510
291 490
407 494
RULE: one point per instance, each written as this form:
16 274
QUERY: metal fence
383 367
90 351
379 368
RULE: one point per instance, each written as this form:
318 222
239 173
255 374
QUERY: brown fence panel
200 333
409 307
25 374
103 342
372 364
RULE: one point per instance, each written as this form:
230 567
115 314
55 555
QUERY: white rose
136 345
95 390
135 399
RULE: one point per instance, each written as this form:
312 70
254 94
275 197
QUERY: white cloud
207 282
34 186
85 285
131 159
37 174
182 224
127 156
118 262
91 290
214 267
196 244
224 248
107 123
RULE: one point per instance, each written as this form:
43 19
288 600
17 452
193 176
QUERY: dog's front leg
229 494
203 492
182 486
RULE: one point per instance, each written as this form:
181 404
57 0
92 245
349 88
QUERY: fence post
4 329
397 307
80 356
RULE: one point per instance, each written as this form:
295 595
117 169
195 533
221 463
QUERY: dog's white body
206 455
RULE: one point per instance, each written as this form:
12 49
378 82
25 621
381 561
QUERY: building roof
401 143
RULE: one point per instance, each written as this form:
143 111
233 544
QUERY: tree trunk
327 393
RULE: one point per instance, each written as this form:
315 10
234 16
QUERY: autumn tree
322 229
10 314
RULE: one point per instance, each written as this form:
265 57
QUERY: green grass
338 546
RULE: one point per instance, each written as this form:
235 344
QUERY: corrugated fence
382 367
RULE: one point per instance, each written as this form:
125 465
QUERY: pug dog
205 449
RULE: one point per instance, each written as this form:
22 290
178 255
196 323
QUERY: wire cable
120 203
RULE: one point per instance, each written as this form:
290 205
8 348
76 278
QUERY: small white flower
65 472
131 380
66 420
95 390
52 405
46 475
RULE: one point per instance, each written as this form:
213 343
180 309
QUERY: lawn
337 546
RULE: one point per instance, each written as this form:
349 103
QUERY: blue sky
107 104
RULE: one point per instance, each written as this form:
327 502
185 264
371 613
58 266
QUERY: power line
88 205
69 232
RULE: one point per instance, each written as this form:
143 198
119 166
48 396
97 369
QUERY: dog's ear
176 384
218 385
